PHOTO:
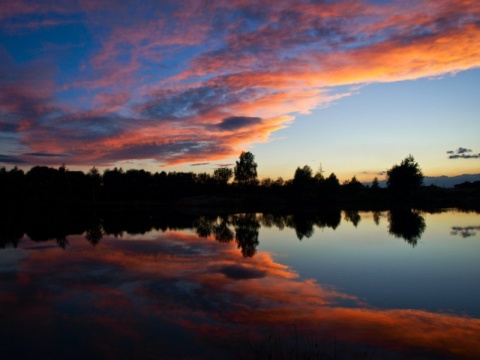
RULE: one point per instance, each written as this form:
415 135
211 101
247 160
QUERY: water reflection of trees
406 224
303 223
225 228
246 233
94 233
353 216
222 231
245 230
10 234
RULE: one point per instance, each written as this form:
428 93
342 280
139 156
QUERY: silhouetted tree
12 185
266 183
222 175
279 182
405 178
246 169
303 184
302 175
375 190
42 184
95 181
114 184
329 189
204 180
352 187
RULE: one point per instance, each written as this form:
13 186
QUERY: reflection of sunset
203 288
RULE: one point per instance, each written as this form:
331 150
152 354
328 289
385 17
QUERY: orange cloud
161 77
197 287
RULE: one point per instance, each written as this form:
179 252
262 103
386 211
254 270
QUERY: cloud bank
462 153
198 81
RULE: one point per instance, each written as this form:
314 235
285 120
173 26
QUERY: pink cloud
188 283
161 79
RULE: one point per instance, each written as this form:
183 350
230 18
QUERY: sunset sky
354 86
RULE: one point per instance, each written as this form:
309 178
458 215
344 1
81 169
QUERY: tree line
50 186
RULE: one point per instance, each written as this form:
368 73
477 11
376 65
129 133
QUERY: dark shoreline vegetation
240 228
46 187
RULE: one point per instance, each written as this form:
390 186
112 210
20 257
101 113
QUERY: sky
351 87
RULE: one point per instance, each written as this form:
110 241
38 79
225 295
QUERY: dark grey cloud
9 126
84 127
237 122
463 156
177 105
22 105
190 150
254 42
462 153
191 102
25 91
45 154
200 164
380 173
238 272
7 159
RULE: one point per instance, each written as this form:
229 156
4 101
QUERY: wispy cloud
199 164
43 154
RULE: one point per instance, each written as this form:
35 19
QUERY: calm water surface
365 285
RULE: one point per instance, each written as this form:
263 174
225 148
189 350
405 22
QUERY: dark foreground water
362 285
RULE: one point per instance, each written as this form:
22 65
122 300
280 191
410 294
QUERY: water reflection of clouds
464 231
152 297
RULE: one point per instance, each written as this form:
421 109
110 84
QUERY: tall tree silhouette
302 179
352 187
328 189
405 178
246 169
95 180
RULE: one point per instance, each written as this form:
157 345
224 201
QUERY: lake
331 285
